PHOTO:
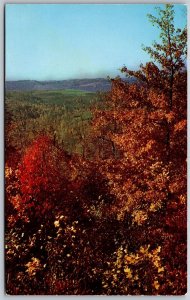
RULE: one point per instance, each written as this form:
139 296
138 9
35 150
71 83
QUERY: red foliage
42 177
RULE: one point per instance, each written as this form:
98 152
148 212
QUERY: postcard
96 149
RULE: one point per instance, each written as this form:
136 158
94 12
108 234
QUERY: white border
2 4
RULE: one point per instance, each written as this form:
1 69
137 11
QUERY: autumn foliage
112 219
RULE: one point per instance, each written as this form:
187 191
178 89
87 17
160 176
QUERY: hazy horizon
67 79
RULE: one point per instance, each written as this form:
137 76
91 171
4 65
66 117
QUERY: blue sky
65 41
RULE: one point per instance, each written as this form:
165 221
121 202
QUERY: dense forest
96 182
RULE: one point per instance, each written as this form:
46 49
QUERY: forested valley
95 183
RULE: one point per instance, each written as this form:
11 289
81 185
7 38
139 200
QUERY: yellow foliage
140 216
130 264
8 171
160 269
128 272
156 284
33 266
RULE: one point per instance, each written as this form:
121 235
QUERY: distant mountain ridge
87 85
91 85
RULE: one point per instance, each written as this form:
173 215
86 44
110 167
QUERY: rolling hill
91 85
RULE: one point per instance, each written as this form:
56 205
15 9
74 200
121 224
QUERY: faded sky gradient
65 41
